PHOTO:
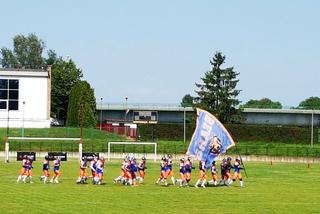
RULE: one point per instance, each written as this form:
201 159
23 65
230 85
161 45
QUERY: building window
9 94
3 105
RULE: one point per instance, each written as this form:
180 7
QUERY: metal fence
289 151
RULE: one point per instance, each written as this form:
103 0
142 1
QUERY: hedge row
262 133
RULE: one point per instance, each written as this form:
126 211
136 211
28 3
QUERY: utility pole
101 113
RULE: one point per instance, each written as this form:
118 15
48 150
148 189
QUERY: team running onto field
132 172
25 174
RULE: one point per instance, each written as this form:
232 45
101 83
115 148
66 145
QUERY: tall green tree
217 92
64 75
82 106
187 101
27 53
264 103
310 103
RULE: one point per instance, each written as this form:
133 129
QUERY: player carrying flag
237 174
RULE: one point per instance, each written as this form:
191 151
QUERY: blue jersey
93 166
163 165
188 166
29 164
237 167
182 168
99 166
45 165
57 165
133 166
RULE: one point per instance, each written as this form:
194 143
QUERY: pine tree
82 94
217 93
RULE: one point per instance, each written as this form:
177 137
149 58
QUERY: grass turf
277 188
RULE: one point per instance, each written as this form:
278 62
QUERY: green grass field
277 188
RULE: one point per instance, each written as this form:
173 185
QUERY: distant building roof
143 107
23 72
280 111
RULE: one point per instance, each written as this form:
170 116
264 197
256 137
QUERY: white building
25 98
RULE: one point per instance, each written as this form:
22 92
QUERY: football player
56 170
141 168
23 169
45 169
202 175
169 170
83 173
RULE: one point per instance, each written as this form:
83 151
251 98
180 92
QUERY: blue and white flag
210 138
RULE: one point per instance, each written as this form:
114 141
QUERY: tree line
72 97
217 92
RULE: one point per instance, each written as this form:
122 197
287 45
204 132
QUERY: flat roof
143 107
280 111
10 72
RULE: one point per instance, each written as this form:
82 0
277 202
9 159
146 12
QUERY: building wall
293 117
113 114
281 118
32 114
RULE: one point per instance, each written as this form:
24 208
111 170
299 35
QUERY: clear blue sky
154 51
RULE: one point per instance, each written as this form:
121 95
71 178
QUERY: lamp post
7 139
126 101
101 113
125 116
312 128
22 132
184 124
